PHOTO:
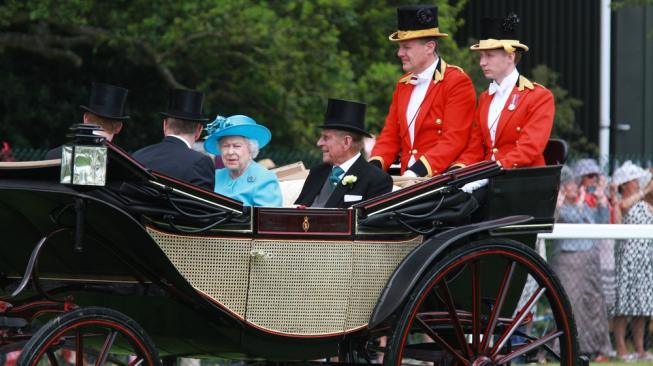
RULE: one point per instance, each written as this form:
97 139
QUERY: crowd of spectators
609 283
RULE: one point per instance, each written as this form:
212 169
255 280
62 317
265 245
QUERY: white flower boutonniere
349 180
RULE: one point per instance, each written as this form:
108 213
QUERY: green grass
640 363
612 363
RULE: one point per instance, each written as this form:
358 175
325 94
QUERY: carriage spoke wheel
487 303
90 336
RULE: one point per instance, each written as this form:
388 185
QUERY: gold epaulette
456 67
525 83
406 78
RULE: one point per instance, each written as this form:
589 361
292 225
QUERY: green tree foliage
276 61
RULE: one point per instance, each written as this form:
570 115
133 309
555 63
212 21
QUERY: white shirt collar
428 73
347 164
507 84
182 139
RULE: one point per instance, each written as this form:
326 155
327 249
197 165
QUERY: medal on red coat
513 102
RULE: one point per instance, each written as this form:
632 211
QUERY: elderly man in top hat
182 126
514 116
106 108
344 178
433 104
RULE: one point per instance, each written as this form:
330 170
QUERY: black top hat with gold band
500 33
416 21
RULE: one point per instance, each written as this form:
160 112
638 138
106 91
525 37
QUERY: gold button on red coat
438 121
439 132
414 151
518 128
495 150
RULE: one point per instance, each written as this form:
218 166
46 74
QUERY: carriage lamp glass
84 160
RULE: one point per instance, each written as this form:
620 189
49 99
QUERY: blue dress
257 186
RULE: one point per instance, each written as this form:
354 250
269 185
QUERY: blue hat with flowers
237 125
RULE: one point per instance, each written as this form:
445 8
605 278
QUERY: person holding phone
592 181
576 262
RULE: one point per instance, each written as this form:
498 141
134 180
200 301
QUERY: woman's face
629 188
589 180
235 153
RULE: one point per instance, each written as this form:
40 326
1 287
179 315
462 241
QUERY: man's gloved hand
409 173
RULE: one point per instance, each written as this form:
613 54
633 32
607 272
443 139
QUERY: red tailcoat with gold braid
523 129
441 128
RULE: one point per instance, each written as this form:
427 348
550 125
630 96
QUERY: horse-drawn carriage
129 267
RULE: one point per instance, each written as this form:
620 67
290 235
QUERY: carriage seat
556 152
529 191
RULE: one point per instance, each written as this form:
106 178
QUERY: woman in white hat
237 140
633 262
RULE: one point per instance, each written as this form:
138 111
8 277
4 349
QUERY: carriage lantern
84 160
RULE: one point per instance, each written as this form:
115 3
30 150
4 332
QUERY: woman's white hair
253 147
251 144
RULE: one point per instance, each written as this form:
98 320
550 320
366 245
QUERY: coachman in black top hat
344 178
500 33
107 108
174 156
433 102
514 116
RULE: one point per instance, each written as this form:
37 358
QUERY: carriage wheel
90 335
472 293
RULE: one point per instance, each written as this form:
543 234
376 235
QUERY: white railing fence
599 231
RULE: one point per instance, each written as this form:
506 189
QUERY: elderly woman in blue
237 140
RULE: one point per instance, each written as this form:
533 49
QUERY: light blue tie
334 177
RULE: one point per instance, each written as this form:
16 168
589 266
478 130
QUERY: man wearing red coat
430 117
514 117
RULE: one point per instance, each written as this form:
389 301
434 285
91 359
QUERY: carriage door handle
623 127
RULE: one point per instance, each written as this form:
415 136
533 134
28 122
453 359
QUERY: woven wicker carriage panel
300 287
218 267
373 263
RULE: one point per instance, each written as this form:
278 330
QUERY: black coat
172 157
53 153
371 182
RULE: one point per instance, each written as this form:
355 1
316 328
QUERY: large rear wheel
90 335
467 311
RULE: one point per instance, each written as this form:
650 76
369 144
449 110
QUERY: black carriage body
135 249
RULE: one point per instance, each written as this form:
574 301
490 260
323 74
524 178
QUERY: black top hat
345 115
185 105
107 101
416 21
500 33
500 28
